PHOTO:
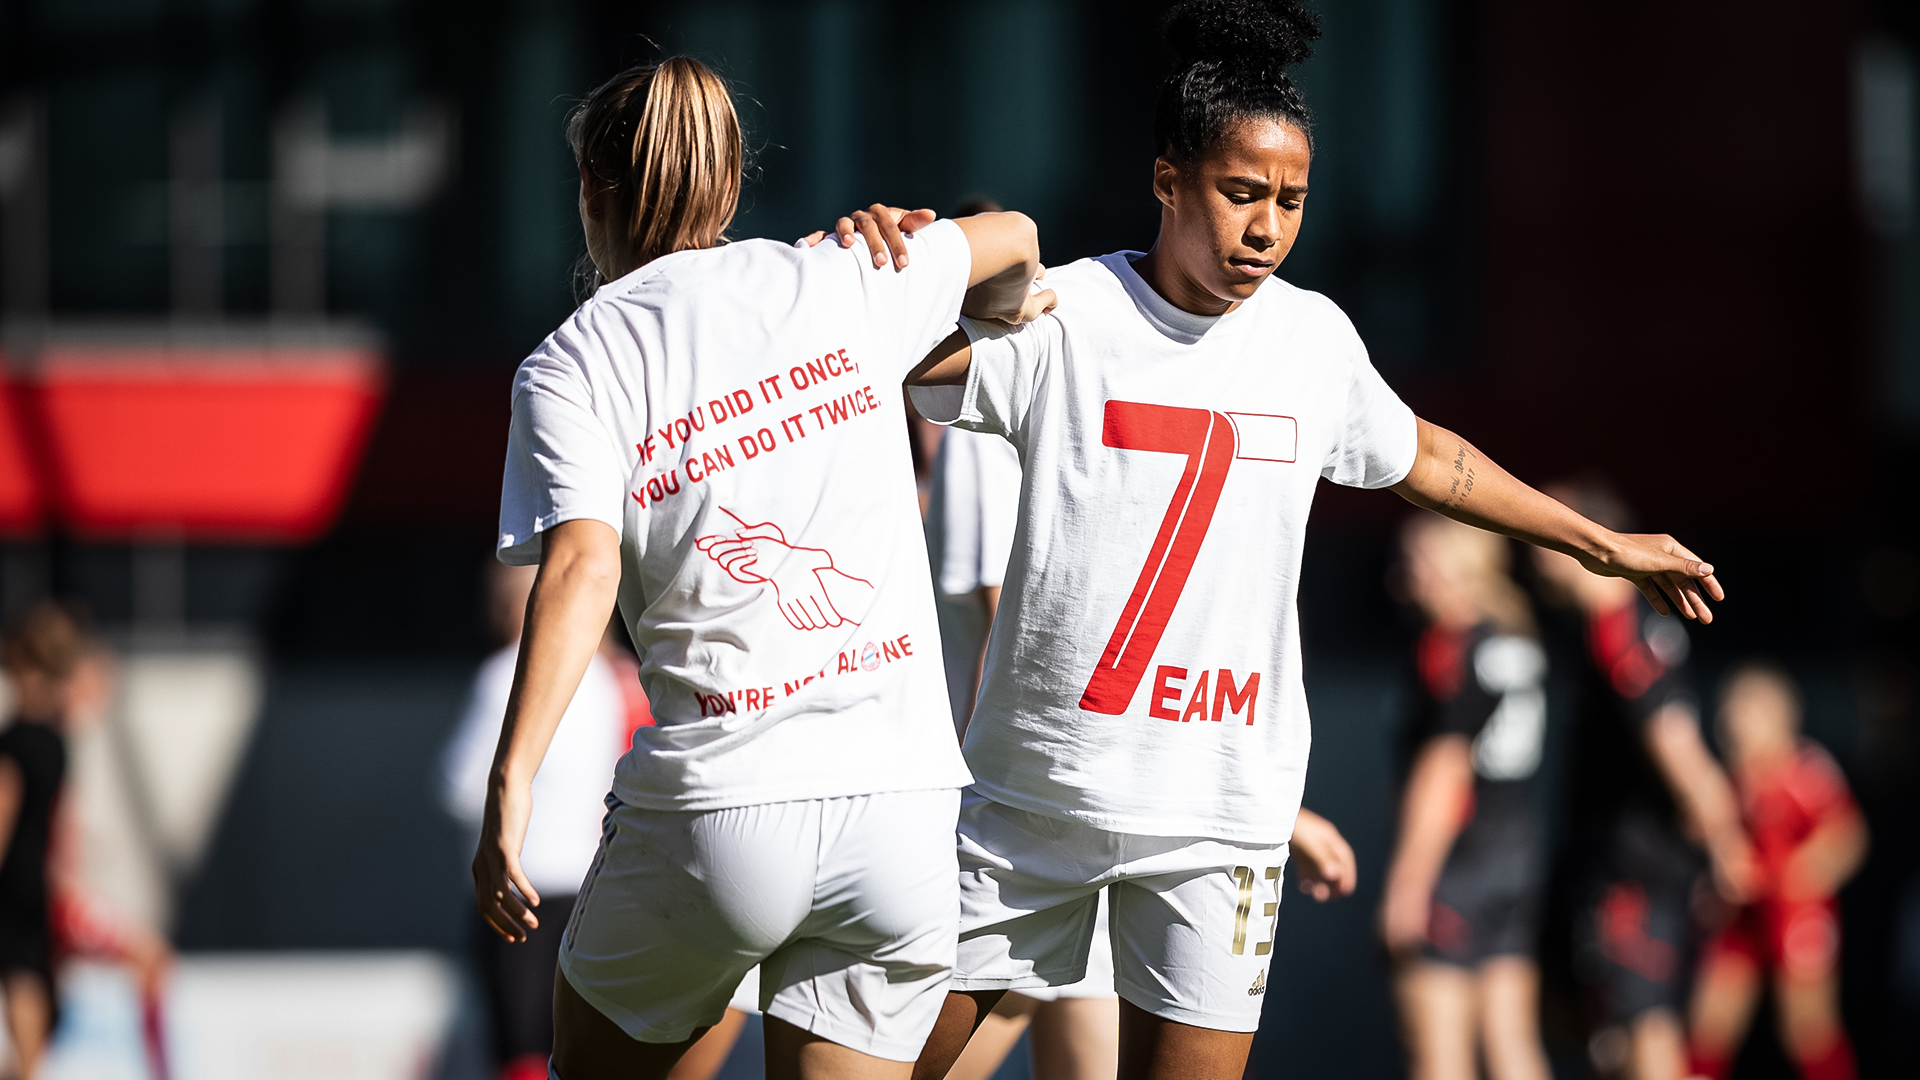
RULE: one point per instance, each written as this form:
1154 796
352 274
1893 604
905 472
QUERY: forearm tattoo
1462 480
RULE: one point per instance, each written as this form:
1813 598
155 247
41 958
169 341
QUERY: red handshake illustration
811 592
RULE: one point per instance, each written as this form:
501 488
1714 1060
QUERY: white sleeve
562 465
920 304
1379 436
1006 369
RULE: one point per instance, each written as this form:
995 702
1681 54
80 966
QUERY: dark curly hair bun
1230 64
1281 33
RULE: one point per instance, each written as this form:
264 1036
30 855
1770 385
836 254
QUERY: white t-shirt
735 415
970 521
1146 678
569 791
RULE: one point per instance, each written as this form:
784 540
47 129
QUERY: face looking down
1228 219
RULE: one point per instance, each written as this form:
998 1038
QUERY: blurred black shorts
26 945
1487 901
1630 948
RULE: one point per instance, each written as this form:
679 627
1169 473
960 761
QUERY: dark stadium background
1649 242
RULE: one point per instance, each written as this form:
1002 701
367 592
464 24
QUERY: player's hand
1403 918
1672 578
885 229
500 888
1323 858
1039 301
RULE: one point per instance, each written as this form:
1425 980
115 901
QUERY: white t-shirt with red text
735 414
1145 676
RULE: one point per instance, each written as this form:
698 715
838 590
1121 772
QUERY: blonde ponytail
662 143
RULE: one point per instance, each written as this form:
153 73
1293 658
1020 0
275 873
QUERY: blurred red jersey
1783 805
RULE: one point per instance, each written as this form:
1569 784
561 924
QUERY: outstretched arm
571 602
1451 477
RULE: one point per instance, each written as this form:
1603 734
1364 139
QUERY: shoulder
1305 310
560 363
1097 272
1098 278
731 273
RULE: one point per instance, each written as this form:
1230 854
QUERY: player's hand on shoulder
1674 579
885 229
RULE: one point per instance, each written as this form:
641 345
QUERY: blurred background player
40 654
563 833
1462 892
1643 782
89 919
1809 838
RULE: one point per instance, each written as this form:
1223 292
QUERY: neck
1175 286
1766 756
619 266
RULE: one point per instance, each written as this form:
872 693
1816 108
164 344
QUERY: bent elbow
599 569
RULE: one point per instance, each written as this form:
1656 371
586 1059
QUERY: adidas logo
1259 985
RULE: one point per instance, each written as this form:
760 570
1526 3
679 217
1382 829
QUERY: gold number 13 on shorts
1243 879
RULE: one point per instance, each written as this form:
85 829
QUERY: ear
1165 175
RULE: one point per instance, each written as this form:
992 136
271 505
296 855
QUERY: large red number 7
1207 439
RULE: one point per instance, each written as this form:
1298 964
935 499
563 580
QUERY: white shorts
846 904
1099 980
746 997
1191 918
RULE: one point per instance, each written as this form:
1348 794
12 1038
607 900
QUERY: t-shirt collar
1182 326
